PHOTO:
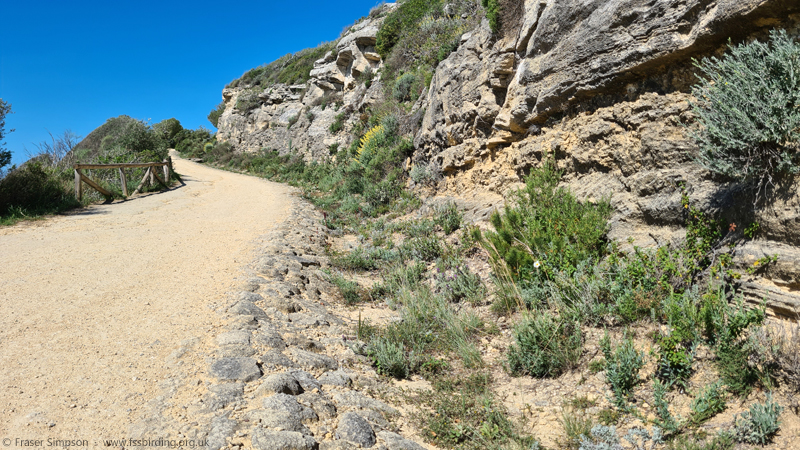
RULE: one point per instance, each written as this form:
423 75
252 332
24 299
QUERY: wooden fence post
167 164
78 186
124 181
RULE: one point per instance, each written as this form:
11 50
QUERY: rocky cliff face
602 85
299 117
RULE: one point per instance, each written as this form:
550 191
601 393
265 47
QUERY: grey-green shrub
748 103
388 357
402 87
622 368
424 174
455 282
605 438
758 425
545 346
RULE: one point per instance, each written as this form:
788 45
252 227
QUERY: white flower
536 264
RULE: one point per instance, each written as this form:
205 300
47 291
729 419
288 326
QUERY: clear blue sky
74 64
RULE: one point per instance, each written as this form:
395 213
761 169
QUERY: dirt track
92 303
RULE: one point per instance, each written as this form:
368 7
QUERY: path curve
92 303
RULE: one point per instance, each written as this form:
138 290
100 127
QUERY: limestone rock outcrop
298 118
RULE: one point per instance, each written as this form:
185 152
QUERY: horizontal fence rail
150 175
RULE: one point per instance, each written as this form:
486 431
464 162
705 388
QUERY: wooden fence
149 175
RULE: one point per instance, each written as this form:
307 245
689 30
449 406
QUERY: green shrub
544 346
545 229
215 114
248 100
401 21
288 69
622 368
350 290
748 106
338 123
575 427
389 357
363 259
462 413
423 248
292 120
424 174
726 327
448 217
33 190
709 402
5 155
492 13
722 441
605 438
367 76
403 87
758 425
674 365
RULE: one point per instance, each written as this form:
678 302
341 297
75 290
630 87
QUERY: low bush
423 248
779 345
362 258
424 174
350 290
338 123
455 282
402 90
448 217
545 229
665 418
722 441
747 110
389 358
492 8
622 368
728 327
575 427
709 402
544 346
605 438
34 190
462 413
674 364
289 69
758 425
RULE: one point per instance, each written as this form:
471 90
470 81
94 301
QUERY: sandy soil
92 303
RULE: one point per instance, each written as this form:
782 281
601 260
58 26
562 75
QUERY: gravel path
197 317
92 304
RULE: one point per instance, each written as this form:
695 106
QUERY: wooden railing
150 174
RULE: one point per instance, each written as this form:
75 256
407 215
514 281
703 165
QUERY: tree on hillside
5 155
